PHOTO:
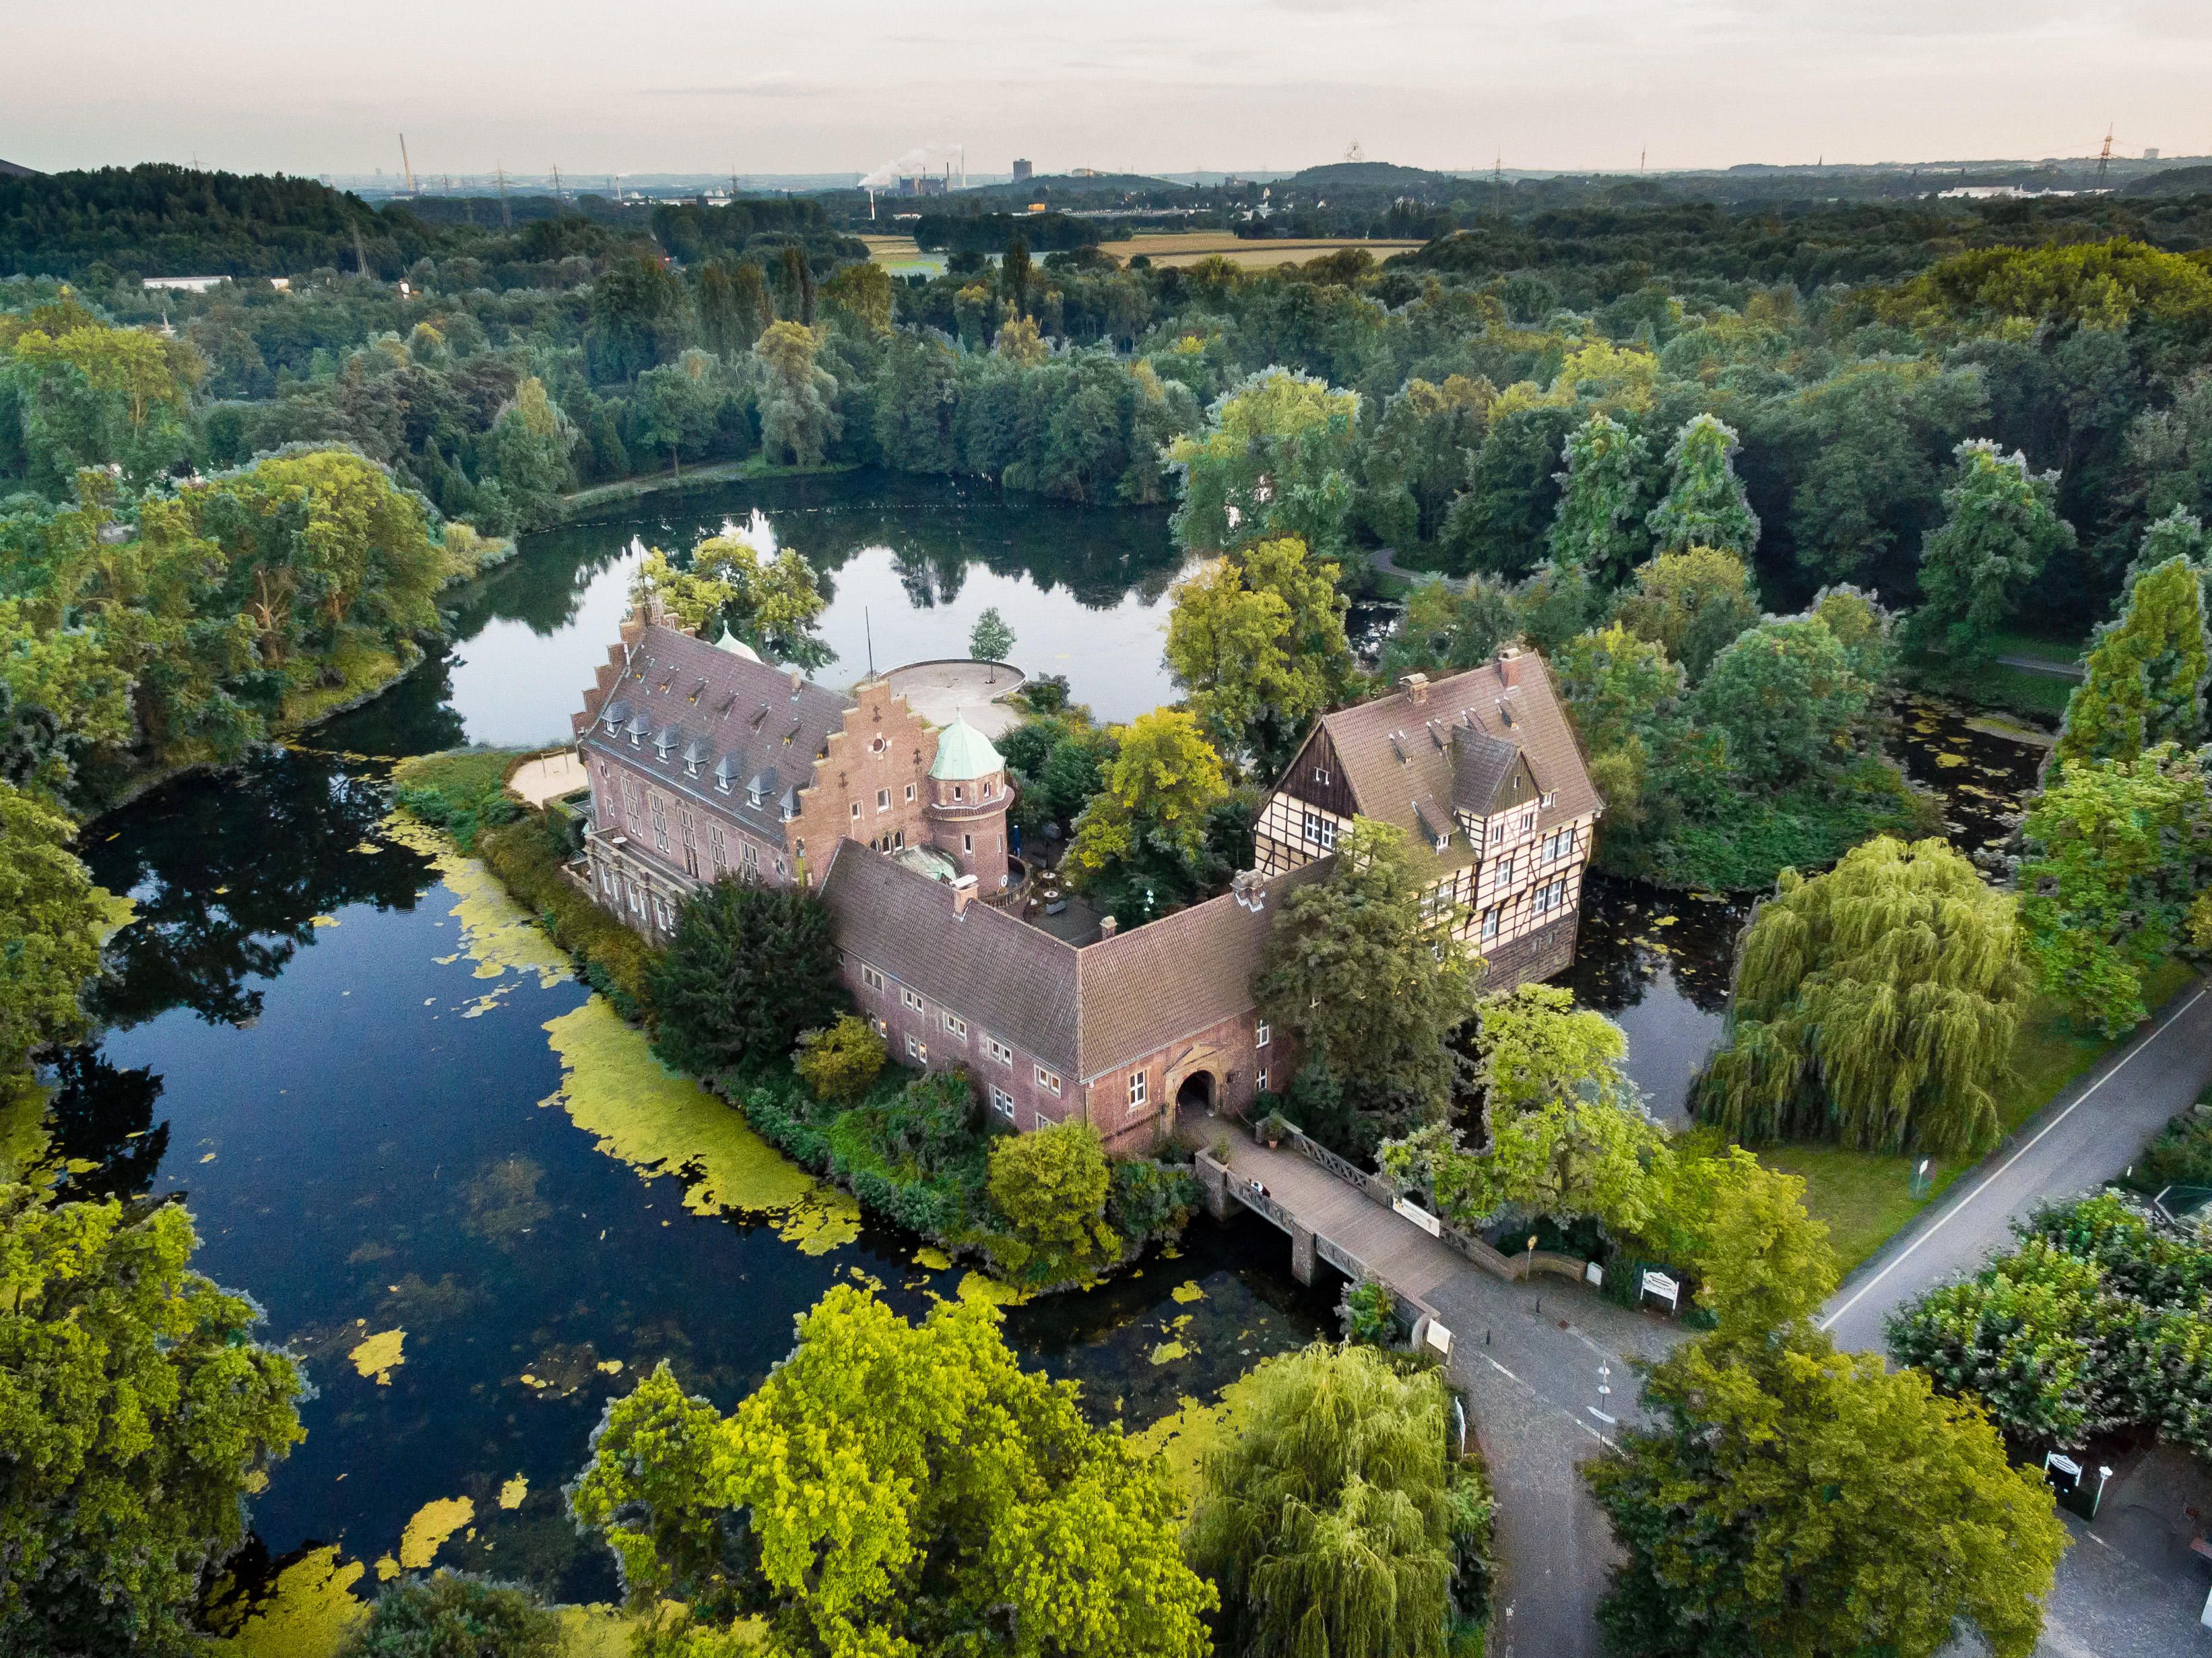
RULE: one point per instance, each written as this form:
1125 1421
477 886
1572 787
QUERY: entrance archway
1196 1094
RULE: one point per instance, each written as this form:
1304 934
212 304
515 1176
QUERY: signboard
1438 1337
1658 1284
1593 1275
1420 1217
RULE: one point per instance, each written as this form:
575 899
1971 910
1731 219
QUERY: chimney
963 890
1508 665
1416 685
798 678
1107 926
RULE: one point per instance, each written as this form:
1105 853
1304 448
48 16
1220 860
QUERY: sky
820 86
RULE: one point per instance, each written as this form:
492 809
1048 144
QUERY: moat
356 1091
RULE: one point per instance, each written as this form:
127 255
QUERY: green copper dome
964 753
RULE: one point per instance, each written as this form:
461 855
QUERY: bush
749 968
1370 1314
449 1616
1148 1200
2181 1156
841 1062
1049 1189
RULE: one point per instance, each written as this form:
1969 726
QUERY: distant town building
923 185
184 284
2150 154
1023 171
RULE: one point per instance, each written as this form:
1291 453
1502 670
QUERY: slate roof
1083 1010
1459 744
683 697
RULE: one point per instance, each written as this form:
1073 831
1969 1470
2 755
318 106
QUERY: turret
968 796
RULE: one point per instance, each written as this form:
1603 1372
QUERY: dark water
288 1049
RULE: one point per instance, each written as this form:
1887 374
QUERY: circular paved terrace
938 690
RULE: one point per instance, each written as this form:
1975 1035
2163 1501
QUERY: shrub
1148 1200
1370 1314
449 1616
841 1062
1049 1191
749 968
2181 1156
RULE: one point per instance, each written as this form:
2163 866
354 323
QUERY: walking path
1526 1354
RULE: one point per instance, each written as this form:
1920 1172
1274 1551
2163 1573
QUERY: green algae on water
661 1123
498 934
308 1614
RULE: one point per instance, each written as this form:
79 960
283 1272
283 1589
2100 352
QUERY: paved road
2088 1135
1527 1356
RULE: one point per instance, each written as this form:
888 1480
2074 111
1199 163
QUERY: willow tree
1704 505
1327 1522
1875 1005
2145 680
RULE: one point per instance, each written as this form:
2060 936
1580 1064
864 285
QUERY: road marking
1507 1373
1944 1219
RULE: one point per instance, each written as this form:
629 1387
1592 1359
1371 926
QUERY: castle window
998 1051
911 1000
1262 1036
883 799
880 744
720 846
917 1051
856 811
871 978
957 1025
1137 1089
1497 833
1002 1102
967 842
1489 925
1047 1080
1505 870
1321 830
909 794
956 793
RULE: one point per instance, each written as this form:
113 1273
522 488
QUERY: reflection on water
907 564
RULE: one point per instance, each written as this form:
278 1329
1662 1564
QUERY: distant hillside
1375 177
1101 188
2173 181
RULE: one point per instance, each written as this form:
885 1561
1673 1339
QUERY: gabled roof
727 714
1008 979
1169 979
1460 743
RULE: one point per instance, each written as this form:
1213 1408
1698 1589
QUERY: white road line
1507 1373
1944 1219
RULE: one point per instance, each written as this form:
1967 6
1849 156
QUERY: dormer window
1550 799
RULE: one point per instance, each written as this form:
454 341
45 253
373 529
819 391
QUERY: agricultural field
1188 246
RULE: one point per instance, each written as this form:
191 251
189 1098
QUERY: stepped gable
689 714
1455 743
1012 981
1143 989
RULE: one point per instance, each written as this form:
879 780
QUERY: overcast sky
1145 85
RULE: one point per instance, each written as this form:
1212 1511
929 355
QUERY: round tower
968 799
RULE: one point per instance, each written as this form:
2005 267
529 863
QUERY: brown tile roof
1140 991
1083 1011
684 699
1401 757
1008 979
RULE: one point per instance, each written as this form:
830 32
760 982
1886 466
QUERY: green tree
1704 505
1141 840
840 1061
50 914
1050 1188
90 395
1256 639
772 607
1327 1520
528 450
637 317
452 1616
1789 700
2001 528
917 396
1693 601
857 298
991 638
1512 495
1794 1499
799 418
2146 677
1448 630
748 969
1277 458
1875 1005
1365 970
136 1414
1420 453
1600 527
2118 853
903 1488
675 406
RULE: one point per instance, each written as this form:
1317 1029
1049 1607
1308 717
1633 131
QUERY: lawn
1865 1198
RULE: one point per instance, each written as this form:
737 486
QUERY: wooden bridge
1338 1213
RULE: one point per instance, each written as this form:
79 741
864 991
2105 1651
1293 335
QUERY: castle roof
964 753
702 716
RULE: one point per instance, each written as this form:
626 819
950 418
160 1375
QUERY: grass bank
1866 1197
749 470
